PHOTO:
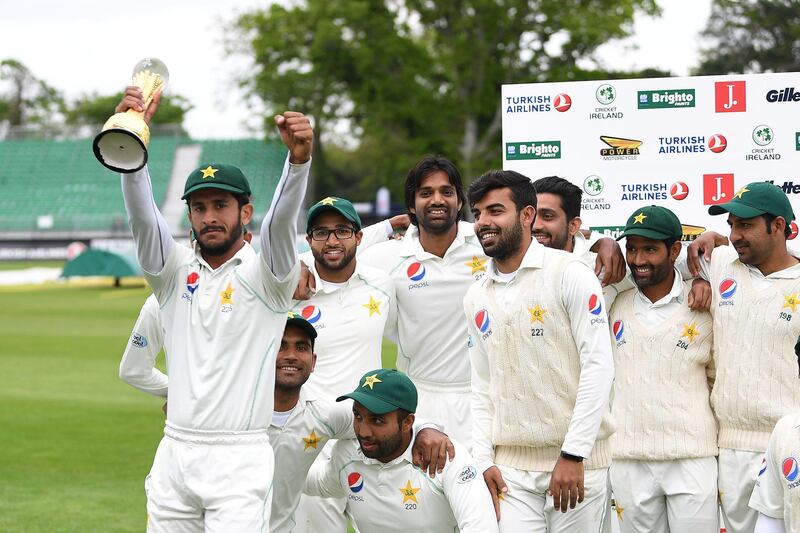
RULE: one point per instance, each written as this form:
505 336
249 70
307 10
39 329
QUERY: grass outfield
76 442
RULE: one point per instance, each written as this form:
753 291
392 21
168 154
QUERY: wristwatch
570 457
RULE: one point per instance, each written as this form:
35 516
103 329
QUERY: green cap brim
647 234
304 325
736 209
212 185
373 404
316 211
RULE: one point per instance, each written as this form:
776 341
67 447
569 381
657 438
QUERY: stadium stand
58 186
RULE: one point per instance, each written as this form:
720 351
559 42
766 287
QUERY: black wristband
570 457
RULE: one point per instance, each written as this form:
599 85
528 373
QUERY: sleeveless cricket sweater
661 406
535 370
754 336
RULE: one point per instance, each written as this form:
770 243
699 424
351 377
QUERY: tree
95 109
409 77
25 99
752 36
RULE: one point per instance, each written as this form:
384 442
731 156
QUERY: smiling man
542 369
755 307
384 491
664 472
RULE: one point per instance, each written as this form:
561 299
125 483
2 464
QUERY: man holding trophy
224 309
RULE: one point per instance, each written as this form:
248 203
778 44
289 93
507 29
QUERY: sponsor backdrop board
684 143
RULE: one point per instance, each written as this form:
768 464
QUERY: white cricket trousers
527 507
210 482
738 471
666 496
447 405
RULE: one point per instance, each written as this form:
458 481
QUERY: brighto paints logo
666 99
533 150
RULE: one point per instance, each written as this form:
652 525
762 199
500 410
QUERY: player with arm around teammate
385 491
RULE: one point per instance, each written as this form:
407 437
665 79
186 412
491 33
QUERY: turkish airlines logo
717 188
730 96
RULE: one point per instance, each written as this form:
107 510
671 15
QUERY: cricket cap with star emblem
336 204
216 176
295 319
383 391
756 199
653 222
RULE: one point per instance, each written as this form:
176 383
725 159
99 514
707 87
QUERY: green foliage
95 109
387 82
26 99
752 36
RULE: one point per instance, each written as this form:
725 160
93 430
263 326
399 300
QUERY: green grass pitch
76 441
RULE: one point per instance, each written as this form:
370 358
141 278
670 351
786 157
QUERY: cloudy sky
85 46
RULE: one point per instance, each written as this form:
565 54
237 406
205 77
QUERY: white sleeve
390 330
767 524
767 496
593 342
154 242
682 264
374 234
323 477
137 367
468 495
279 227
340 420
480 400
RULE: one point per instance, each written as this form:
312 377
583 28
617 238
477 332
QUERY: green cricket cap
334 203
383 391
295 319
216 176
756 199
653 222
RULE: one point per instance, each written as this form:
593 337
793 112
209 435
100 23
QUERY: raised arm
279 227
152 237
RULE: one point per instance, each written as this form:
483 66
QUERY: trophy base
120 150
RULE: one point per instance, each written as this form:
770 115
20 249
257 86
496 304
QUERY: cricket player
351 308
775 492
223 310
542 369
757 292
384 491
303 424
664 469
138 365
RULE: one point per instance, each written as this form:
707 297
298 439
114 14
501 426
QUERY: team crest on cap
595 304
618 329
209 172
370 381
192 282
355 481
727 288
482 320
790 469
311 313
415 271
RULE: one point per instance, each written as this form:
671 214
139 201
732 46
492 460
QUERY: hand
132 99
704 244
566 484
610 260
400 222
164 408
700 295
497 487
306 286
297 134
431 449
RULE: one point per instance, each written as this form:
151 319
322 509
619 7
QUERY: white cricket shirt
777 490
430 291
137 367
350 320
312 423
397 496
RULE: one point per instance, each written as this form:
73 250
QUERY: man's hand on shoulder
431 449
